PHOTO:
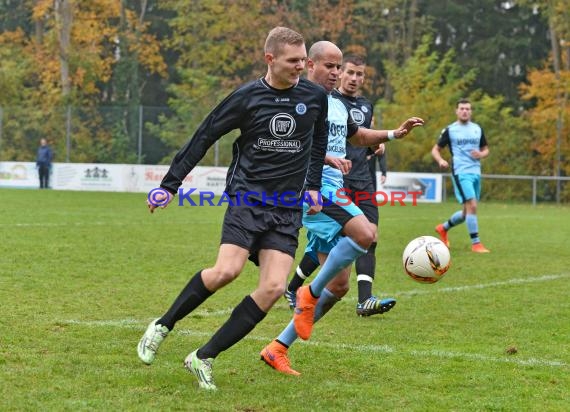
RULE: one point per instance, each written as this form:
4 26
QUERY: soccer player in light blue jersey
340 233
467 145
360 180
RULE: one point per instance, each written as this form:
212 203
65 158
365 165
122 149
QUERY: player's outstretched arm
408 126
371 137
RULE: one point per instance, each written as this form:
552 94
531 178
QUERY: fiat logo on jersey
357 115
282 125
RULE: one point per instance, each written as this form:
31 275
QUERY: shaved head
321 49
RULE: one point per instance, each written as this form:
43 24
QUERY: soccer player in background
360 179
467 145
341 232
280 151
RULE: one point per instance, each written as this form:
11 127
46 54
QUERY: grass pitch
82 274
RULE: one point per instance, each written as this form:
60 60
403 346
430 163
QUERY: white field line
428 290
140 325
414 292
88 224
516 281
420 218
46 224
475 357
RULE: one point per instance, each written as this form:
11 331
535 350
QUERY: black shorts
366 205
262 227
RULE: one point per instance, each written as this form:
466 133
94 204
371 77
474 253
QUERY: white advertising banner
86 176
19 175
109 177
423 187
408 187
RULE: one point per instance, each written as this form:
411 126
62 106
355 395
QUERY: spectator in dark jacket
43 163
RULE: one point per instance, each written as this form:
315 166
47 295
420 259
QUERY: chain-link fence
518 188
100 134
151 135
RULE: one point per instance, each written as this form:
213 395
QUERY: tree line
87 67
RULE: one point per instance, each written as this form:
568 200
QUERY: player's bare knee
360 231
274 291
374 230
339 289
340 285
364 238
225 275
371 235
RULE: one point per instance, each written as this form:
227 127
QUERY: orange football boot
479 248
442 234
304 315
275 355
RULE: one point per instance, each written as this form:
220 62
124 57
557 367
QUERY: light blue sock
288 335
343 254
473 228
456 219
326 301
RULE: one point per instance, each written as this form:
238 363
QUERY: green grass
81 275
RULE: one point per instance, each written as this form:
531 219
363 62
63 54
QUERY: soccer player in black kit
280 151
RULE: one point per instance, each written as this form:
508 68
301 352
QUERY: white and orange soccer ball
426 259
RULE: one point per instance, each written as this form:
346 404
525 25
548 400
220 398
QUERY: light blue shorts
316 245
467 186
324 229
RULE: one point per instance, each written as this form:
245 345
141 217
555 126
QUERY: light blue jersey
341 125
323 228
462 138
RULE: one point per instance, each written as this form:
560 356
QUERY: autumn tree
500 39
73 52
17 140
217 49
429 85
548 89
386 32
426 85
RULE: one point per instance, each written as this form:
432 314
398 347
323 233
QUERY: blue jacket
45 156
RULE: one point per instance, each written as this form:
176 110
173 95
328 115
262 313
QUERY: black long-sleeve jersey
362 112
280 150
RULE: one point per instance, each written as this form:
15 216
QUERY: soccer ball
426 259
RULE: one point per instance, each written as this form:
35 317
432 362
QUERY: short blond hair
280 36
